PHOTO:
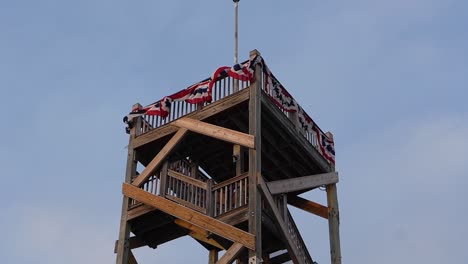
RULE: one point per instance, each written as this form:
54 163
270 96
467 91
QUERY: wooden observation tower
220 162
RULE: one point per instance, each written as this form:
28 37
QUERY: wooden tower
224 171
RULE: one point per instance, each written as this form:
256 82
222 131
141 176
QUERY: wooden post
213 256
123 249
237 156
239 161
255 209
333 219
209 198
162 190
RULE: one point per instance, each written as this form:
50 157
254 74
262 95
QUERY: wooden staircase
181 183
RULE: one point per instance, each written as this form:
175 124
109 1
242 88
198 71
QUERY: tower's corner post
333 218
255 209
124 233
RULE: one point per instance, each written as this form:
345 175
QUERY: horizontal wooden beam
279 220
231 254
187 179
153 165
133 242
214 131
198 233
210 224
302 183
308 206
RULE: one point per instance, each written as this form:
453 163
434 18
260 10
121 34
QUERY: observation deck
221 161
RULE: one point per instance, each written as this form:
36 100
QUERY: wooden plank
231 254
134 242
186 204
308 206
131 258
214 131
235 216
279 221
333 224
153 165
210 224
255 163
302 183
123 250
213 256
208 111
198 233
139 211
229 181
187 179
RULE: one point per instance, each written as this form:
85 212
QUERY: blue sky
388 78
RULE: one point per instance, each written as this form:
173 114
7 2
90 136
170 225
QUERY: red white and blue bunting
287 103
201 92
195 94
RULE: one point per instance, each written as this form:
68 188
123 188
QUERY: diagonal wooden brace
153 165
198 219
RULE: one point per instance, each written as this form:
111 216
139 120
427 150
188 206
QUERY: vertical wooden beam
209 198
333 224
213 256
255 166
239 162
333 219
163 175
123 248
237 156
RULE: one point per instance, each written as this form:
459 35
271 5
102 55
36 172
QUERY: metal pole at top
236 11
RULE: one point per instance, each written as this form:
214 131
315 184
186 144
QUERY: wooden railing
303 253
187 191
221 88
152 185
293 117
187 168
230 194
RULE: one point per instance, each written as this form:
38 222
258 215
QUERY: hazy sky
388 78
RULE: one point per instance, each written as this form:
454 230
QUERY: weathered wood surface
123 250
133 242
213 256
334 224
308 206
280 221
153 165
255 163
208 111
210 224
231 254
214 131
131 258
302 183
187 179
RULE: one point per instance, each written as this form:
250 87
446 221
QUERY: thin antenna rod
236 12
